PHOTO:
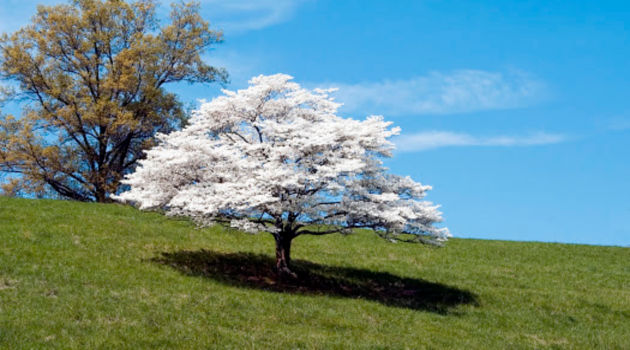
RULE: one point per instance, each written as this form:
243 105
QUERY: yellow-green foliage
95 72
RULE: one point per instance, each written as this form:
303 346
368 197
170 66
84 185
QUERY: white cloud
237 16
17 13
436 139
459 91
619 124
240 67
233 16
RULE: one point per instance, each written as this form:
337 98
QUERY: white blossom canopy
275 157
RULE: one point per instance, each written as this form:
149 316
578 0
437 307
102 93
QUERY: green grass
82 276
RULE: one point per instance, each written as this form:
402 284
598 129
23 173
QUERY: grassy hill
76 275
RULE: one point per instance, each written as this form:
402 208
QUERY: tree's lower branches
406 237
319 233
66 191
226 219
415 238
328 230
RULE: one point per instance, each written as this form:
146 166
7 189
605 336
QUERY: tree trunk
283 256
101 196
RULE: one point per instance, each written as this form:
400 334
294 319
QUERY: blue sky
517 113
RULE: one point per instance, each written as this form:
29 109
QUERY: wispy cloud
233 16
458 91
241 67
619 124
17 13
237 16
436 139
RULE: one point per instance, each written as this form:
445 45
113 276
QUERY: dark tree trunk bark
283 256
101 196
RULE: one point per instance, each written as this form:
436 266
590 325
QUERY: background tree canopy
94 73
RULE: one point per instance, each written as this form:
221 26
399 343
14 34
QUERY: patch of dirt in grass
7 283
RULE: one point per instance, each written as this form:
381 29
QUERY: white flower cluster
276 157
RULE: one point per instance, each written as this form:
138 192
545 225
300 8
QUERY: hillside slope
75 275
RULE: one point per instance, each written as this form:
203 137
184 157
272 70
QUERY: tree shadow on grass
257 271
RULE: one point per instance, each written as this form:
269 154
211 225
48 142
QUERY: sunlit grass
76 275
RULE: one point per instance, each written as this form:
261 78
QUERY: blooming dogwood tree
276 158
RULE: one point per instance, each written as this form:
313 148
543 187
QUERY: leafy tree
94 72
276 158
